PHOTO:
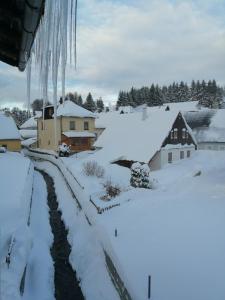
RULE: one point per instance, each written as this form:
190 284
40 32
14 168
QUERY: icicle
28 85
51 47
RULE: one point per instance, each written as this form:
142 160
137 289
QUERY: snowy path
87 255
39 281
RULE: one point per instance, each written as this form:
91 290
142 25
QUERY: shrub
140 176
92 168
111 190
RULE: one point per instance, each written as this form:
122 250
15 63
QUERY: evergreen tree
100 105
140 176
80 101
89 103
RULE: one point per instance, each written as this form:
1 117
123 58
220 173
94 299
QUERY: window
187 135
72 125
171 134
188 153
48 142
170 157
183 133
86 125
181 154
175 133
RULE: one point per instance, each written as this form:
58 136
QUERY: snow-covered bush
92 168
111 190
140 176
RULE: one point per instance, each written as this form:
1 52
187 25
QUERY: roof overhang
19 21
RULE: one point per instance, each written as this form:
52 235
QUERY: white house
163 137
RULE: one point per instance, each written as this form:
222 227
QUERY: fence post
149 287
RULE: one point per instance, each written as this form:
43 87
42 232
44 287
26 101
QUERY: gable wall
12 145
179 124
79 123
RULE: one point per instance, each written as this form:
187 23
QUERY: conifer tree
89 103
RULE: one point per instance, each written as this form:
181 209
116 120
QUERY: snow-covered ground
175 232
39 280
87 256
16 177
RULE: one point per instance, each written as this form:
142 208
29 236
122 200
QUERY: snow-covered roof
215 132
29 142
31 122
126 109
134 139
105 119
70 109
74 134
28 133
8 129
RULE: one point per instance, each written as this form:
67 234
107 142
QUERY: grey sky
134 43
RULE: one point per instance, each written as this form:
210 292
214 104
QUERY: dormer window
171 134
183 133
175 133
187 135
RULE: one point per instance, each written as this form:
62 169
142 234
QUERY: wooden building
75 126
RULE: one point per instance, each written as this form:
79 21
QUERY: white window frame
171 134
175 133
184 133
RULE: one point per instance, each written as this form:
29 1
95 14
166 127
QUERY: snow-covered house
75 127
9 134
28 131
209 128
161 138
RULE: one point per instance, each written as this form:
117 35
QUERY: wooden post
149 287
115 232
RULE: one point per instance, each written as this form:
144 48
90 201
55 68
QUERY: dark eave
19 20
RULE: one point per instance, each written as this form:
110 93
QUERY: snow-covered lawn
175 233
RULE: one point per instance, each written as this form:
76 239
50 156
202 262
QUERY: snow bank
16 178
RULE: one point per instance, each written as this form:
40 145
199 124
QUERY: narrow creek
66 284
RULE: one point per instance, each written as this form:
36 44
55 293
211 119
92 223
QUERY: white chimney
144 113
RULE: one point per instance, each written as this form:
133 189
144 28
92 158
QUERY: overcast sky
125 43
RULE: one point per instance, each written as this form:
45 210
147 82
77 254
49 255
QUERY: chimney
144 113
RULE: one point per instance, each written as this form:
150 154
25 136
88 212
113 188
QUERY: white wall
212 146
175 153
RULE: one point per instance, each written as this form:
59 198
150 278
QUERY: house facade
75 127
9 134
162 137
178 144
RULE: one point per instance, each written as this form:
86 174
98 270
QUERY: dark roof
19 20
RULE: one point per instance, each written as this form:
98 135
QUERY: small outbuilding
9 133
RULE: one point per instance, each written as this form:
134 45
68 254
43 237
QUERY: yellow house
75 127
9 134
